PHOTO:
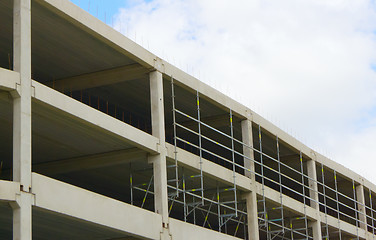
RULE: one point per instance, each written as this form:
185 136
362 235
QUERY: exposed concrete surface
9 79
9 190
79 203
96 118
185 231
211 169
82 204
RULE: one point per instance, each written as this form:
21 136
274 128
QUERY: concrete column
251 197
253 229
22 214
247 138
313 193
159 161
22 98
361 207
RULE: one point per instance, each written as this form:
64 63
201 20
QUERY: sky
307 66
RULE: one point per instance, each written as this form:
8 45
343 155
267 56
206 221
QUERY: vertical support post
200 146
159 160
233 163
22 98
304 194
314 198
251 198
356 212
337 203
280 185
325 206
247 139
22 214
371 208
361 207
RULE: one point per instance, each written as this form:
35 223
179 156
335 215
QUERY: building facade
101 139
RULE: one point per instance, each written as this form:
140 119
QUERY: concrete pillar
247 138
313 193
361 207
251 197
22 214
22 98
159 161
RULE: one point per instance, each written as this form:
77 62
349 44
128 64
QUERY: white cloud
308 63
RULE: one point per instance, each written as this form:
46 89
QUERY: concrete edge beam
101 78
209 168
9 190
216 97
186 231
289 203
91 161
9 79
100 30
76 202
86 113
298 208
344 226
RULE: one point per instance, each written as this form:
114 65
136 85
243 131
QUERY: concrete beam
96 118
91 161
213 121
101 78
9 79
297 207
76 202
186 231
209 168
344 226
289 203
100 30
215 97
9 190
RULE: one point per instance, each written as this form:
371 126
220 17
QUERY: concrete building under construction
101 139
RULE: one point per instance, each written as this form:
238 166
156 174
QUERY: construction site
101 139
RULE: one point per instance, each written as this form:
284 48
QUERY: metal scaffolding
220 207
